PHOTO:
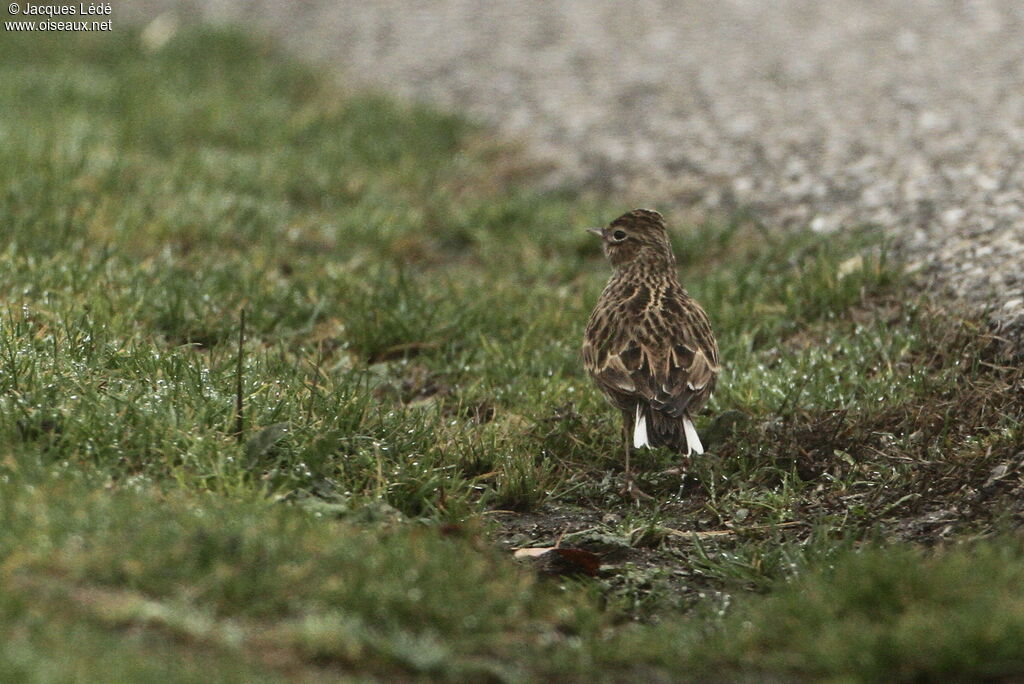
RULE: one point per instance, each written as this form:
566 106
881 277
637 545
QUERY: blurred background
821 114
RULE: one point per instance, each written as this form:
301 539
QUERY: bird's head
637 237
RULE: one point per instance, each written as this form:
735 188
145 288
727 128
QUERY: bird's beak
599 232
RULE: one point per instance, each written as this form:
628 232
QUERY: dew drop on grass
726 600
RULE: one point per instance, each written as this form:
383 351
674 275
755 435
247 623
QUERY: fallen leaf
997 474
851 265
554 560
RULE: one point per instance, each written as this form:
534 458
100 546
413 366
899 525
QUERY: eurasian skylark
648 344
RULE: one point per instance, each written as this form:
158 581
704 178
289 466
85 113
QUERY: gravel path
824 113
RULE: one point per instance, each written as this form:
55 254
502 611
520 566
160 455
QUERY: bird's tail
654 429
692 440
640 430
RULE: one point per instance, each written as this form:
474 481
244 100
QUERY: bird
648 345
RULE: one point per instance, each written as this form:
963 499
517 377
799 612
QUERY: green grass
414 406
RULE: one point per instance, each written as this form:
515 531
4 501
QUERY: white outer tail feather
692 440
640 439
640 430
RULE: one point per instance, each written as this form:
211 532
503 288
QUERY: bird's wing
670 363
669 378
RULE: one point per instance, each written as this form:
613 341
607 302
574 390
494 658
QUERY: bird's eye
619 235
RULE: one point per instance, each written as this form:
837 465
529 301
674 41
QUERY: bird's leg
630 487
626 437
